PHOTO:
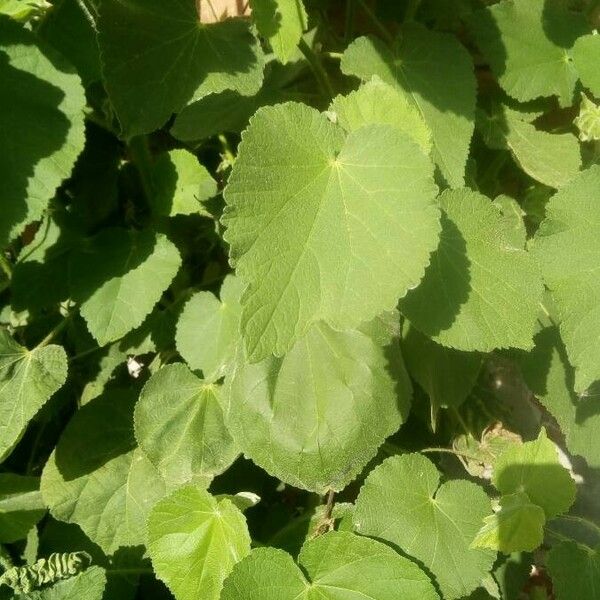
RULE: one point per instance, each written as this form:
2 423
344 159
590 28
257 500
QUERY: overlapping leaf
119 277
528 43
479 292
575 571
436 72
403 503
194 541
41 125
208 330
586 57
179 425
334 566
28 378
281 22
534 468
316 416
21 506
97 478
567 247
318 221
550 377
157 57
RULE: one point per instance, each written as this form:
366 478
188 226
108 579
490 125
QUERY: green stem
333 55
411 10
86 353
141 157
376 22
318 70
461 421
87 12
349 27
55 331
5 265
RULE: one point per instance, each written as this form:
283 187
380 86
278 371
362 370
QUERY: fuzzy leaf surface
316 416
179 424
194 541
335 566
403 503
479 292
436 72
317 220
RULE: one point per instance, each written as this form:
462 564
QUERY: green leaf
586 57
21 506
157 57
588 120
194 541
517 525
436 72
97 478
552 159
403 503
88 585
575 571
316 416
181 185
41 120
447 375
28 378
550 377
66 28
534 468
379 102
282 22
512 215
119 277
179 425
567 247
208 330
317 220
479 292
527 43
334 566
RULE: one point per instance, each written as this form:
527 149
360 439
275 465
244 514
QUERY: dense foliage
300 299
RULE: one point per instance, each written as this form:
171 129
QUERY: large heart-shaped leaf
317 221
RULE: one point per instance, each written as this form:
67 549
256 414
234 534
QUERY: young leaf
317 221
517 525
157 57
181 185
334 566
88 585
436 72
97 478
194 541
179 425
282 22
527 44
534 468
567 247
41 120
403 503
208 330
586 57
378 102
28 378
316 416
119 278
447 375
21 506
550 377
588 120
575 571
479 292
